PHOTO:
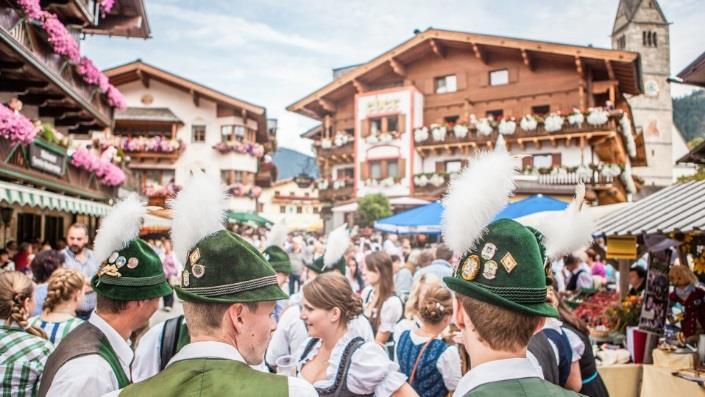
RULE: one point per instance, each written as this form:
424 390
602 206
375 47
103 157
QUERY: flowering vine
60 38
15 127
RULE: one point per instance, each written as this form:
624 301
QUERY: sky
274 52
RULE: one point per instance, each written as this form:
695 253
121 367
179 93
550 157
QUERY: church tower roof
628 12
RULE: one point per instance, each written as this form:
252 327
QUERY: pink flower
60 38
15 127
115 98
82 158
110 174
31 8
92 75
258 150
106 6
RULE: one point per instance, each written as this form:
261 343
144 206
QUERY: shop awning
28 196
677 208
244 217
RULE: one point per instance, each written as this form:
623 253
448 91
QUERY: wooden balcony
338 154
47 166
331 194
44 79
266 174
152 157
582 135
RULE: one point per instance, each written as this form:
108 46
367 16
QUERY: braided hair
61 287
15 289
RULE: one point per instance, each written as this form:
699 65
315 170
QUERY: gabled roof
695 156
625 63
630 8
148 114
695 72
139 70
127 18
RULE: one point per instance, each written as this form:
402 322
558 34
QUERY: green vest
527 387
209 377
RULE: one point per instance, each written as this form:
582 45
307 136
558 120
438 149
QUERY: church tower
641 26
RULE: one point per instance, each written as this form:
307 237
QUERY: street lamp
303 180
6 217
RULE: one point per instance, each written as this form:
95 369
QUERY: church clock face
651 88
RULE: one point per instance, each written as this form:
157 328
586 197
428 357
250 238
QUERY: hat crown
278 258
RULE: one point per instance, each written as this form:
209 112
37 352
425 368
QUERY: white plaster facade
298 206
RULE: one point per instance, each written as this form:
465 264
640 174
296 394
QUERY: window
495 114
540 110
446 84
236 133
392 170
621 42
375 126
454 166
547 160
375 169
299 210
649 39
315 210
499 77
392 123
345 173
28 227
231 177
260 207
198 133
282 209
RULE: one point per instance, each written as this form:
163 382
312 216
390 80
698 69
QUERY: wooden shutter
401 168
364 171
527 162
461 81
556 160
464 163
364 128
384 169
401 123
440 166
513 75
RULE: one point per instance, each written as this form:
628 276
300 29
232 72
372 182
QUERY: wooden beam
437 48
581 84
479 53
196 99
327 105
144 78
610 69
397 67
360 87
527 59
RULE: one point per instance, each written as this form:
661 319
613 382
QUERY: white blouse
405 325
371 370
392 310
448 364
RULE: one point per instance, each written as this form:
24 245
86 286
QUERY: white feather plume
277 236
119 227
197 212
569 230
476 196
336 245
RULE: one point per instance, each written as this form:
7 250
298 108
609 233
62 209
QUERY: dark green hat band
132 281
519 294
234 288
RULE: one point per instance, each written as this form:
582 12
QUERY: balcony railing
337 153
141 149
335 190
485 133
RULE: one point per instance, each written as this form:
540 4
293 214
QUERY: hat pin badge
488 251
490 270
198 270
470 267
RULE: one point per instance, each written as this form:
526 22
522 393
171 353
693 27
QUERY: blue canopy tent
427 219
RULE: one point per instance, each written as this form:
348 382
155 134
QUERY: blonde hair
412 304
437 303
15 289
62 285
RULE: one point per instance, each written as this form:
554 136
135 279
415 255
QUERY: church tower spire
641 26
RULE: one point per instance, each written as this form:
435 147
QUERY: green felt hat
278 258
224 268
505 267
319 267
130 269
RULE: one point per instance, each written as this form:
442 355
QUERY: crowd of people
478 313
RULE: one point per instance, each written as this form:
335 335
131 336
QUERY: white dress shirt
495 371
297 387
91 375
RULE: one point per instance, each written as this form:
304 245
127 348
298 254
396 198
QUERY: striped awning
28 196
677 208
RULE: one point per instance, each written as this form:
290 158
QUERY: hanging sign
621 247
655 307
47 160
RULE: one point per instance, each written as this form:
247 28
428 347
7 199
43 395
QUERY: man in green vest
500 282
229 292
95 358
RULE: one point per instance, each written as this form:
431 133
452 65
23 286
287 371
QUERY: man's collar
120 346
496 371
207 349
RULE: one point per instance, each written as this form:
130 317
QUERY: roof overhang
695 156
695 72
625 64
128 18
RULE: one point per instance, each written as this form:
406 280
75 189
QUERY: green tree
371 208
698 176
695 142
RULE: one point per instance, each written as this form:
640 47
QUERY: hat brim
264 294
118 293
475 290
281 267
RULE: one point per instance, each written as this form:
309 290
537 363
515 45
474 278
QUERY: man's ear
234 314
459 318
540 325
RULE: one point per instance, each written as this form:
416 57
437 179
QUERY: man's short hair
78 225
203 318
444 253
108 305
570 260
638 270
501 329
